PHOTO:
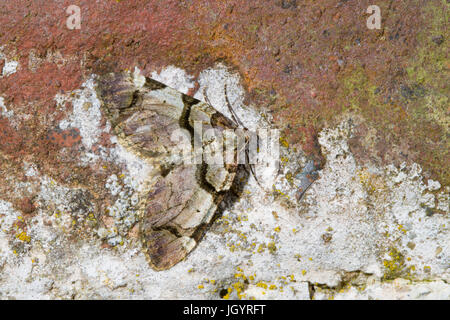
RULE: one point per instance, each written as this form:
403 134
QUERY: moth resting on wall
182 198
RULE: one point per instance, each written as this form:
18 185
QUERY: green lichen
411 111
429 68
359 91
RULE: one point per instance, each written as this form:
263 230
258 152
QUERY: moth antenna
233 114
252 168
252 172
205 95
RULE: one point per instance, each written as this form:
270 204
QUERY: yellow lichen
395 265
23 237
261 285
272 247
284 142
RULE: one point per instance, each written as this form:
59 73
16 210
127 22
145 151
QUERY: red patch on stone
10 140
26 205
64 138
281 46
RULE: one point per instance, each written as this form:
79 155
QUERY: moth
182 197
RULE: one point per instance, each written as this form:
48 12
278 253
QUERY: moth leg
252 166
205 95
252 170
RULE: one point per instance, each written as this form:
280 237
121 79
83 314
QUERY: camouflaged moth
183 197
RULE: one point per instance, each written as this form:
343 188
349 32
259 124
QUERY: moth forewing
160 125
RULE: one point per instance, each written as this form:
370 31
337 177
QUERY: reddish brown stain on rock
296 57
26 205
64 138
10 140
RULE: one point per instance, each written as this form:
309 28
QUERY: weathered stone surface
310 62
368 108
359 232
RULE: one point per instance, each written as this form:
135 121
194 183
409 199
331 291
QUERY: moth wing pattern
183 197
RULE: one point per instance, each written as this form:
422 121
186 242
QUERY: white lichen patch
7 215
175 78
443 200
10 68
10 65
86 114
3 110
123 211
137 170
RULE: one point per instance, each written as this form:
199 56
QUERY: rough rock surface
359 232
370 108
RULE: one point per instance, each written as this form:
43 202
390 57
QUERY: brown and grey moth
183 196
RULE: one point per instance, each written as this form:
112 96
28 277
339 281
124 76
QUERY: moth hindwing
182 196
